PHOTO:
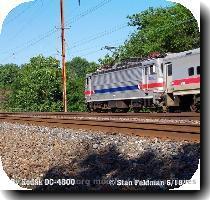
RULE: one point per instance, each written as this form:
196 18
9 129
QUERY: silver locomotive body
156 83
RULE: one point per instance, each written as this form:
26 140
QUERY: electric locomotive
163 83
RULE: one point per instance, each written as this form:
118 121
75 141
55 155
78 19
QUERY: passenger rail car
182 88
171 82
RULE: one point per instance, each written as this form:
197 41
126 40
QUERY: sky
33 28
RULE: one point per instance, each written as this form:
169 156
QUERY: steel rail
185 115
181 131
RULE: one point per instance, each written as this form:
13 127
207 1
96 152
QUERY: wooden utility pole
63 55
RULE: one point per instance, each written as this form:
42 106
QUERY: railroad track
176 131
183 115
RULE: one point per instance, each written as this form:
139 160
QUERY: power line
50 32
98 46
171 25
91 52
25 25
84 41
88 11
20 14
116 29
95 51
31 43
98 36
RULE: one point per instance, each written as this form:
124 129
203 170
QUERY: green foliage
76 71
75 95
172 29
107 60
8 74
77 67
37 86
92 67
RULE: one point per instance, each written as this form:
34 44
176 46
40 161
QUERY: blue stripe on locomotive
117 89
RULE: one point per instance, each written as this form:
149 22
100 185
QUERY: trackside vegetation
37 85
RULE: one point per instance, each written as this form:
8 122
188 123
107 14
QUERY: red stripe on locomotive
151 85
88 92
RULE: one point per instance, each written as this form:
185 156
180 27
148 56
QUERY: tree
8 74
38 86
77 69
92 67
107 60
172 29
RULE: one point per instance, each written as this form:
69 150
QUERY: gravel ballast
93 161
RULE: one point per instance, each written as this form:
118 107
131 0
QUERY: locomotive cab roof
181 54
136 61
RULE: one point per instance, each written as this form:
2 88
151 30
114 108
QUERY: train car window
198 70
191 71
152 69
169 69
146 70
87 81
162 68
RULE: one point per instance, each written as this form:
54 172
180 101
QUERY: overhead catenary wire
98 35
112 30
92 52
32 43
96 47
87 12
43 36
28 7
30 20
21 29
88 40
